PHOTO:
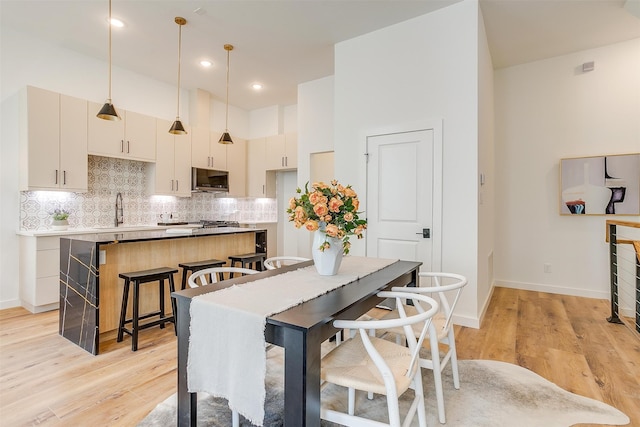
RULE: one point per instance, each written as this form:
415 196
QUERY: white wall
273 120
548 110
423 68
315 135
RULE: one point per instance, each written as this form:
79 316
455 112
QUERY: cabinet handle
286 161
64 177
171 185
127 147
262 188
177 185
209 161
122 145
56 176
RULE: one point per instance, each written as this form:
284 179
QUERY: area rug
492 394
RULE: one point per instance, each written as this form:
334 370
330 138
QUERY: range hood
209 180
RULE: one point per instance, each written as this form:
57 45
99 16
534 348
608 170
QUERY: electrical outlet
103 257
547 268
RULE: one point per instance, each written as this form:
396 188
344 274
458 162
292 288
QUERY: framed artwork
602 185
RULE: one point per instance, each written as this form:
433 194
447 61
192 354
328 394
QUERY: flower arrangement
59 214
332 209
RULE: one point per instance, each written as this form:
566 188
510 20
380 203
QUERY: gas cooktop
216 223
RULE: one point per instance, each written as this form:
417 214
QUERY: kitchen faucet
119 210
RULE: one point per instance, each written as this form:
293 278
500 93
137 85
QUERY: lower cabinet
40 273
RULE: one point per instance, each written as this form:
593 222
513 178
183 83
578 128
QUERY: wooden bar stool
197 266
138 277
254 261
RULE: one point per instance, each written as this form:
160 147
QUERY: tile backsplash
109 176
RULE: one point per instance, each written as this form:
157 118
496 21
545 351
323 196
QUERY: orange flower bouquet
332 209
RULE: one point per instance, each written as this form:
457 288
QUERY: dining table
299 330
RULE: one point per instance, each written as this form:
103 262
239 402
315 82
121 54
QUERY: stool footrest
148 324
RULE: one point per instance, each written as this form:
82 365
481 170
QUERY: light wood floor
46 380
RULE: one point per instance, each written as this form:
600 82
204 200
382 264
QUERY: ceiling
281 43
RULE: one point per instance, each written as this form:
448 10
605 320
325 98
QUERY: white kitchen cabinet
259 182
206 152
171 173
282 152
237 167
53 141
133 137
40 273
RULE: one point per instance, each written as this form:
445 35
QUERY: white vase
60 224
327 262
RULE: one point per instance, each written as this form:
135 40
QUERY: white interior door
400 196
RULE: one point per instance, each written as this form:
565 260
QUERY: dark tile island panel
79 293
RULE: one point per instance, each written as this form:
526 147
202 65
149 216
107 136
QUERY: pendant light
108 111
226 138
177 128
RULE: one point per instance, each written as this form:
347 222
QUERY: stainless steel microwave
209 180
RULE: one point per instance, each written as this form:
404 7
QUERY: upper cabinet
171 173
259 183
206 153
282 152
133 137
53 141
237 166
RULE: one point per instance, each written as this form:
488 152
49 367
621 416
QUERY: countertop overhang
71 232
147 235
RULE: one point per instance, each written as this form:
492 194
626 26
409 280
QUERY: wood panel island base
91 292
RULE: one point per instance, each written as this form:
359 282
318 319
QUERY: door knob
426 233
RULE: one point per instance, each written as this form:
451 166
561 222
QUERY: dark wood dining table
300 330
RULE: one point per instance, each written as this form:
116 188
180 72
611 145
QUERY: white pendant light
226 138
108 111
177 128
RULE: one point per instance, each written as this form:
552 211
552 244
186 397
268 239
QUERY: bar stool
197 266
138 277
253 261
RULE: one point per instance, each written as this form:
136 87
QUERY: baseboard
469 322
41 308
550 289
486 303
13 303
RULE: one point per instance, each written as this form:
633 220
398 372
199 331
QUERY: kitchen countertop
162 234
197 228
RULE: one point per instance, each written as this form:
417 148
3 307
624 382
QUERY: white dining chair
211 275
280 261
380 366
441 330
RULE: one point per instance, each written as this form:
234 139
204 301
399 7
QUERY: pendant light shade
108 111
226 138
177 128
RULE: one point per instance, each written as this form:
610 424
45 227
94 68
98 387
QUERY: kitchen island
91 292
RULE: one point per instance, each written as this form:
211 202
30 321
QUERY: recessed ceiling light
206 63
117 23
256 86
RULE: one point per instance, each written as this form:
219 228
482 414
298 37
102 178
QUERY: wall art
600 185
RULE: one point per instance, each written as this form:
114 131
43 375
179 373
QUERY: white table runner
227 356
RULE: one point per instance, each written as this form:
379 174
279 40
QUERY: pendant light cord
226 121
179 55
110 51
